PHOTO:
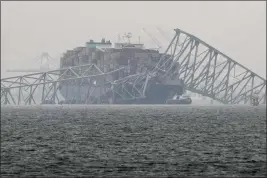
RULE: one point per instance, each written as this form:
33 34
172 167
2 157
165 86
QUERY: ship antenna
128 35
119 38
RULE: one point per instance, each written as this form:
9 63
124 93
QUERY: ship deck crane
153 38
46 64
163 34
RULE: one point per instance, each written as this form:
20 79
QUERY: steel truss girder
44 86
132 87
204 70
207 71
24 89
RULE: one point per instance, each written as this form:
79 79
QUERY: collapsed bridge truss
44 87
209 72
203 69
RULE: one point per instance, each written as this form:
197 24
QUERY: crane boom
46 64
153 38
163 34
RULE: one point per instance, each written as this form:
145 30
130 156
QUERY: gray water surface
55 141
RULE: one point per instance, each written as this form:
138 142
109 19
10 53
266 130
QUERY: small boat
183 99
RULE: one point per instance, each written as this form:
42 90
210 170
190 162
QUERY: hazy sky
237 29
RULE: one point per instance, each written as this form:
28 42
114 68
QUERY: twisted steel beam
203 69
209 72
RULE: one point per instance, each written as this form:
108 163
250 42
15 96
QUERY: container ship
134 59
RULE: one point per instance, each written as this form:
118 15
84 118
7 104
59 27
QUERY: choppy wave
142 140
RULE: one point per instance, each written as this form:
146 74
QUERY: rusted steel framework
209 72
203 69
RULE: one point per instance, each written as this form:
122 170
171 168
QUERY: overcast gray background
237 29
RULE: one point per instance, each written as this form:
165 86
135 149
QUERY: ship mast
128 35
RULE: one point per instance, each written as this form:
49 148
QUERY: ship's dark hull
155 94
